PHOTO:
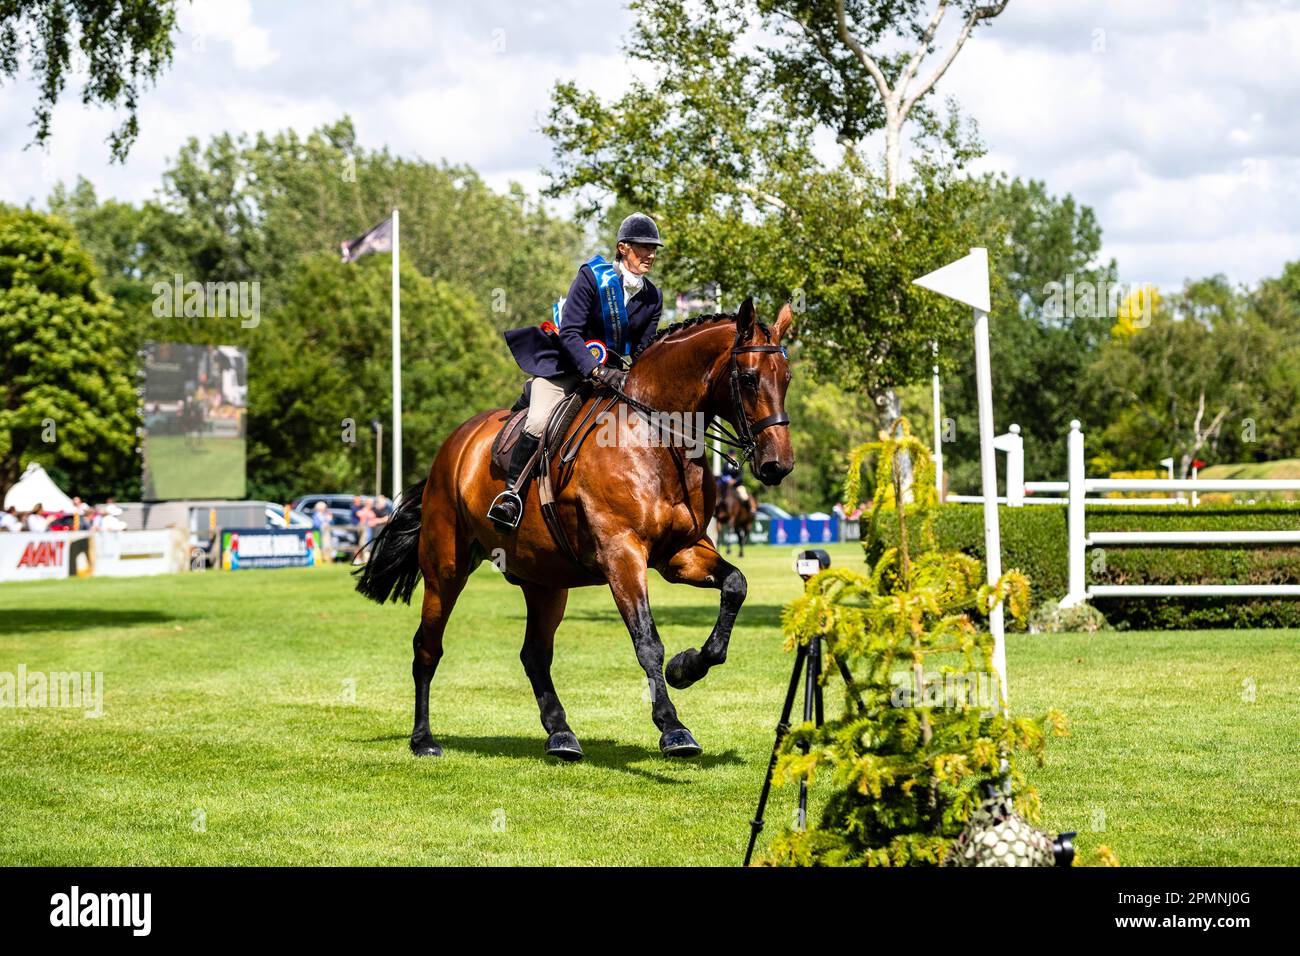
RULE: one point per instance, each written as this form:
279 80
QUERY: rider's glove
608 375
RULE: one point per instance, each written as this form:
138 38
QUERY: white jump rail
1021 492
1079 486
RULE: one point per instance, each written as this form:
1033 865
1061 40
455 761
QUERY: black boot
507 508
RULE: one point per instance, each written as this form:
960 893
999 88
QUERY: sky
1177 121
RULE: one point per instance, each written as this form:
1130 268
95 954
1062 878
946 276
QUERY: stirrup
500 520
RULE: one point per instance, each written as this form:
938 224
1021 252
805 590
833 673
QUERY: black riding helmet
639 228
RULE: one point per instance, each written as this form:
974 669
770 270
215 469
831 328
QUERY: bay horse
627 506
737 514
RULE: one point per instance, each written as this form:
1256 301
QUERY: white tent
34 488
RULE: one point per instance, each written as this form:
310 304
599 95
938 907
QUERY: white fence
1021 492
1079 486
1080 492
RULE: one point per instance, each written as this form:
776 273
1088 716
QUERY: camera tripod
808 660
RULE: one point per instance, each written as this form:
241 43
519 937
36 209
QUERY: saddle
555 444
565 411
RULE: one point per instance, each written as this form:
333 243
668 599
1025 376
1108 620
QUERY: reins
744 438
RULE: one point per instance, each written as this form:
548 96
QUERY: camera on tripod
808 666
809 562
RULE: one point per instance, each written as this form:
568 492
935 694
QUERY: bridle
748 431
745 437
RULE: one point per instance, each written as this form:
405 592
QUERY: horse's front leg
625 569
701 566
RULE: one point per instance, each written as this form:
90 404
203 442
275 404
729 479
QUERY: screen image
195 407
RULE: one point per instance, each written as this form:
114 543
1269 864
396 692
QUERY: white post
397 366
938 424
967 281
1077 535
1014 446
989 480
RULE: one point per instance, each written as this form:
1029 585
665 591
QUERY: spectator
112 519
383 510
356 509
81 515
36 520
9 520
320 516
367 519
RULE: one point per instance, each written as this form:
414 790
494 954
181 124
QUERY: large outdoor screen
195 404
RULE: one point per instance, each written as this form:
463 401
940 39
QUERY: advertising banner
131 554
243 548
56 554
803 531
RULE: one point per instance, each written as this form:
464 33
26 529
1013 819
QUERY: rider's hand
608 375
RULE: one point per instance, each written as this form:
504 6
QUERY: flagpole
397 365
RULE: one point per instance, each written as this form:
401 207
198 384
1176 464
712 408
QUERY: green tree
829 417
905 766
325 359
1039 354
719 147
125 44
1179 385
67 396
271 210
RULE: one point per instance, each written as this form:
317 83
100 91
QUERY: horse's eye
749 381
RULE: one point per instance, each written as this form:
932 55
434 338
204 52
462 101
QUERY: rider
730 476
610 312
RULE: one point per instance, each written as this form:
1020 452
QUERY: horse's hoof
563 744
676 671
679 743
426 747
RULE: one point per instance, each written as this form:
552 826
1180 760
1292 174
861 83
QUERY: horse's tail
394 565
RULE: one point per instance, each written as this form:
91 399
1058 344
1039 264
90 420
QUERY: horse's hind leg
701 566
427 645
545 611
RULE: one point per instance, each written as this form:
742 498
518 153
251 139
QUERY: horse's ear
783 320
745 319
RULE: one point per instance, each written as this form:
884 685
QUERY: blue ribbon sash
613 311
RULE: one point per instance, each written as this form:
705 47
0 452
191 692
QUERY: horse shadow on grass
34 620
598 751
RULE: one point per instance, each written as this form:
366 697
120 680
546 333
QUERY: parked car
340 507
771 511
275 517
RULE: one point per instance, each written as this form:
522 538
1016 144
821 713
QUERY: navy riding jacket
545 355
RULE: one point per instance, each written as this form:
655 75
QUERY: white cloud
223 23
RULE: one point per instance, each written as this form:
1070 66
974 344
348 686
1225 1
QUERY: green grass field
262 718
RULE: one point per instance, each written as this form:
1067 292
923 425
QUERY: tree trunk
893 154
890 411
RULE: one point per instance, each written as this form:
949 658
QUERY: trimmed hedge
1034 539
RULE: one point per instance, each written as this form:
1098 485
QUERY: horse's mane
694 321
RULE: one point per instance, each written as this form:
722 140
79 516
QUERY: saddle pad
566 410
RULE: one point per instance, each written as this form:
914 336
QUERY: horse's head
754 383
